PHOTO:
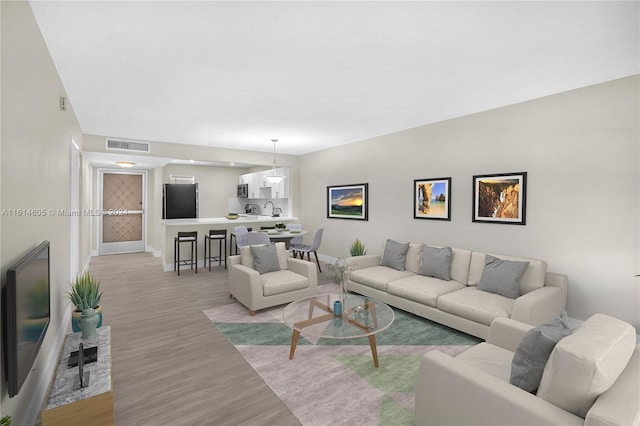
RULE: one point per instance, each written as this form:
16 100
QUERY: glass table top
362 316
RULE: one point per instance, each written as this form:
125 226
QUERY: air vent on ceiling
127 145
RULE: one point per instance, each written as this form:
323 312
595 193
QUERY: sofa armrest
558 280
619 404
244 283
538 306
361 262
304 268
450 392
507 333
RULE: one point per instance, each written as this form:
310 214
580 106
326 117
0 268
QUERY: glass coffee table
361 317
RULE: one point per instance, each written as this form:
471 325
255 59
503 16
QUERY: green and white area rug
335 381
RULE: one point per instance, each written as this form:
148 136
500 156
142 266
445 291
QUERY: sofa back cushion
460 260
413 258
246 256
532 278
585 364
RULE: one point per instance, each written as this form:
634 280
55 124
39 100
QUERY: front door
122 227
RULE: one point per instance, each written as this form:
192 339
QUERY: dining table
284 235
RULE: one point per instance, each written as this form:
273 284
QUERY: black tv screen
180 201
26 313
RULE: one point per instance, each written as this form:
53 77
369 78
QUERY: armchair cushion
265 258
247 257
502 276
279 282
585 364
532 353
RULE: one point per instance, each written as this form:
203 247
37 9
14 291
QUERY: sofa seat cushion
283 281
585 364
377 276
489 358
476 305
422 289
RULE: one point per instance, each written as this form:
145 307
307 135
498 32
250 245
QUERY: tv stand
91 405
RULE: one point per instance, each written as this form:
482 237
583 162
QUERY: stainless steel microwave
243 190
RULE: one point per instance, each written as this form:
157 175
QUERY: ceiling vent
128 145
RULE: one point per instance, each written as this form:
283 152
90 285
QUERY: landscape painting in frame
432 198
347 201
500 198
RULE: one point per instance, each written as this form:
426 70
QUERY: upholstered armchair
264 275
591 377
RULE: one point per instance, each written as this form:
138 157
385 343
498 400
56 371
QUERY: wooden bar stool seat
185 237
219 235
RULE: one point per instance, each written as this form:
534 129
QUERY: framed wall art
348 201
432 198
500 198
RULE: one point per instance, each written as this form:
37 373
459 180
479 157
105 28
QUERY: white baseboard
153 251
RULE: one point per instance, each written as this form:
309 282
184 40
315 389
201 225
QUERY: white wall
35 168
581 152
215 186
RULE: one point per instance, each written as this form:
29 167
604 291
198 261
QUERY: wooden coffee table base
328 317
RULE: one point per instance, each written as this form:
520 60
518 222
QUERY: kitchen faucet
273 207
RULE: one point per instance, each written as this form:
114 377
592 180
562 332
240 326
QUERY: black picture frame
437 205
500 198
348 201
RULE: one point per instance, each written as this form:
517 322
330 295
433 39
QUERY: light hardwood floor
171 366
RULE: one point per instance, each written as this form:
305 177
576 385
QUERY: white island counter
202 225
241 220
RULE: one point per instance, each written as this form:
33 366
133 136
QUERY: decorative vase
75 316
88 323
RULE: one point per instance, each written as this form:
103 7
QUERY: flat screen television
26 312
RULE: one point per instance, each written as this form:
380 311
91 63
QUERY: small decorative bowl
232 216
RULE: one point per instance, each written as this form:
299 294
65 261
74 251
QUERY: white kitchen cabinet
257 180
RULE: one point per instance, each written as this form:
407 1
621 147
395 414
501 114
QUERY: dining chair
241 234
317 240
295 241
256 238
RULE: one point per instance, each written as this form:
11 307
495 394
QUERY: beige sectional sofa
457 302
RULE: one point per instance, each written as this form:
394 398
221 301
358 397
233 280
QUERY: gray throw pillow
436 262
533 352
394 254
265 258
502 276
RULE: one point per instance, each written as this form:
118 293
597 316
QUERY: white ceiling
320 74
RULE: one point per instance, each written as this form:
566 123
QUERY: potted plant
280 226
84 292
358 248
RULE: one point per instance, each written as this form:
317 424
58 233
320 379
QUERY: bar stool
185 237
221 236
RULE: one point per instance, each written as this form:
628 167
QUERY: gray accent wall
581 152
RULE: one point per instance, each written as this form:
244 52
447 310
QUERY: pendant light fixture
274 177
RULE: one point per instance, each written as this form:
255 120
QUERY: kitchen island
203 224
